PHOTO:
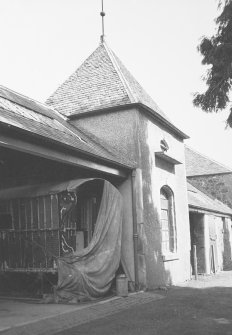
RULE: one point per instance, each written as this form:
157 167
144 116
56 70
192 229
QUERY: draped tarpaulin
89 272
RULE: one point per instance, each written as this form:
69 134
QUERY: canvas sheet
89 273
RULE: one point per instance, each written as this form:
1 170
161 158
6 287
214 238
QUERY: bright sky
44 41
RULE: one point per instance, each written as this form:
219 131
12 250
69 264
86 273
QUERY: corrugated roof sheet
200 200
102 81
198 164
52 127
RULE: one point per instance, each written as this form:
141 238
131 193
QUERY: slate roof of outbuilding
199 165
200 200
36 118
102 82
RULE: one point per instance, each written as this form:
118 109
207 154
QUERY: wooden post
195 261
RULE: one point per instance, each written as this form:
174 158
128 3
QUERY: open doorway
197 239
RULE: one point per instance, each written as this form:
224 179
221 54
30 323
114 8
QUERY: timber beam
61 156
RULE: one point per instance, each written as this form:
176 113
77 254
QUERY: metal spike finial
102 13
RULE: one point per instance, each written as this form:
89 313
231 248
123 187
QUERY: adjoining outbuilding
209 176
210 229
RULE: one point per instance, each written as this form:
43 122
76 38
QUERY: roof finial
102 13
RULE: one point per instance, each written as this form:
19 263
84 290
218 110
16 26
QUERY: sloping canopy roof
35 118
26 102
199 200
199 165
101 82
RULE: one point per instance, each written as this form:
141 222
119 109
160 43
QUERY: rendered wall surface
175 267
138 137
218 186
118 129
127 230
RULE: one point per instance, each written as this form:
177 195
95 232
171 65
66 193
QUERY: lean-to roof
201 201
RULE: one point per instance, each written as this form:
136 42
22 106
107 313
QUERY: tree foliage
217 54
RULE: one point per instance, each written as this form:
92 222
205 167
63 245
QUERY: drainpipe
135 229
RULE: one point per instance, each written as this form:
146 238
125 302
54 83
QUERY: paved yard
200 308
197 307
28 318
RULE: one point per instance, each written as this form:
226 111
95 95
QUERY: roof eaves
130 105
207 174
101 110
164 121
223 213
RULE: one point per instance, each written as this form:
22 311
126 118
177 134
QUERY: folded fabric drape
89 272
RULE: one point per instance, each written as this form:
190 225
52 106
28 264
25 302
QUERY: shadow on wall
159 163
156 273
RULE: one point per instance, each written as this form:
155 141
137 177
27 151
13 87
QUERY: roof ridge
125 83
208 158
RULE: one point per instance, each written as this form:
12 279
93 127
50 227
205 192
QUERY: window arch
168 224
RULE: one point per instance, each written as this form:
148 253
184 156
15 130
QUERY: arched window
168 224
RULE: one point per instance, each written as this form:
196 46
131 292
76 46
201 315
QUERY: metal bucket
122 285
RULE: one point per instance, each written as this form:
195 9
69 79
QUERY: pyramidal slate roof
200 200
199 165
101 82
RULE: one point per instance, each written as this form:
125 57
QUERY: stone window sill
170 257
